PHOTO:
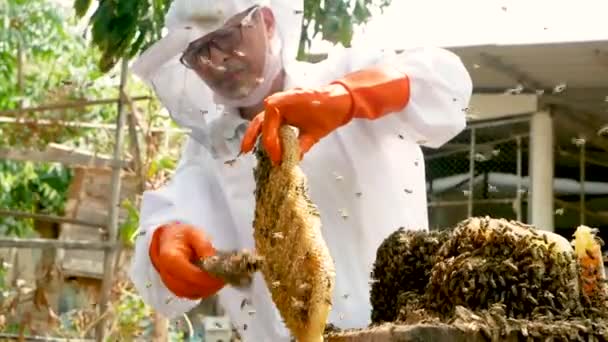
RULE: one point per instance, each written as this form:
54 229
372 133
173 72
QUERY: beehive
488 261
403 263
492 280
297 267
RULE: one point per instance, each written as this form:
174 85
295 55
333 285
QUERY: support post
542 171
161 328
471 174
20 74
583 177
113 210
518 193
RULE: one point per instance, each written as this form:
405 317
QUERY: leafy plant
131 312
335 20
55 66
31 187
128 229
42 61
123 28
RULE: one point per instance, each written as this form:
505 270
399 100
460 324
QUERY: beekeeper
362 115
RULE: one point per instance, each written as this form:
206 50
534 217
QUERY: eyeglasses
225 39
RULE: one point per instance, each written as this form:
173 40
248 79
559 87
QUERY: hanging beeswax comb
298 268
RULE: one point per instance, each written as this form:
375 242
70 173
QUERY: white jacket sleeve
192 196
440 90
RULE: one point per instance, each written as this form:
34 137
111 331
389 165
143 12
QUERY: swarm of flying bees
494 276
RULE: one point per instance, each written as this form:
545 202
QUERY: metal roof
572 77
579 65
580 104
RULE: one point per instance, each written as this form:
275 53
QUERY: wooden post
161 328
14 252
583 179
136 150
63 106
113 210
48 218
20 74
54 244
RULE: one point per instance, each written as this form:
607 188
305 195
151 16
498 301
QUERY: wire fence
484 171
480 172
581 188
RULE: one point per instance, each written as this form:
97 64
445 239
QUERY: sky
449 23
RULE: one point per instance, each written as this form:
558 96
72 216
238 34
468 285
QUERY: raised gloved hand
368 94
173 251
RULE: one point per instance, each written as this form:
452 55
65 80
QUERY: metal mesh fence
483 171
581 187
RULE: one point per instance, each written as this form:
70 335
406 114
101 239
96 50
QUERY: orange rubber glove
173 250
367 94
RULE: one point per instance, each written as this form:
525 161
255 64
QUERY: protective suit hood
189 100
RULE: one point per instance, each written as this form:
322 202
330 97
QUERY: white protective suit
367 178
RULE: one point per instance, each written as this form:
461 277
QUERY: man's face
231 59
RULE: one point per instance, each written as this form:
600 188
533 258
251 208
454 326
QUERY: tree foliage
56 66
123 28
30 187
335 20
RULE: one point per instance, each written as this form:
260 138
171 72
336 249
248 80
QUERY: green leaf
361 12
152 169
167 163
128 230
81 7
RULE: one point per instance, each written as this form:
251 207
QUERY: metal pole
113 209
466 149
504 122
450 203
518 209
471 173
582 180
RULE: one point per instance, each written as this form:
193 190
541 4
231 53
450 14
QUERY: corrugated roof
577 64
581 109
578 69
